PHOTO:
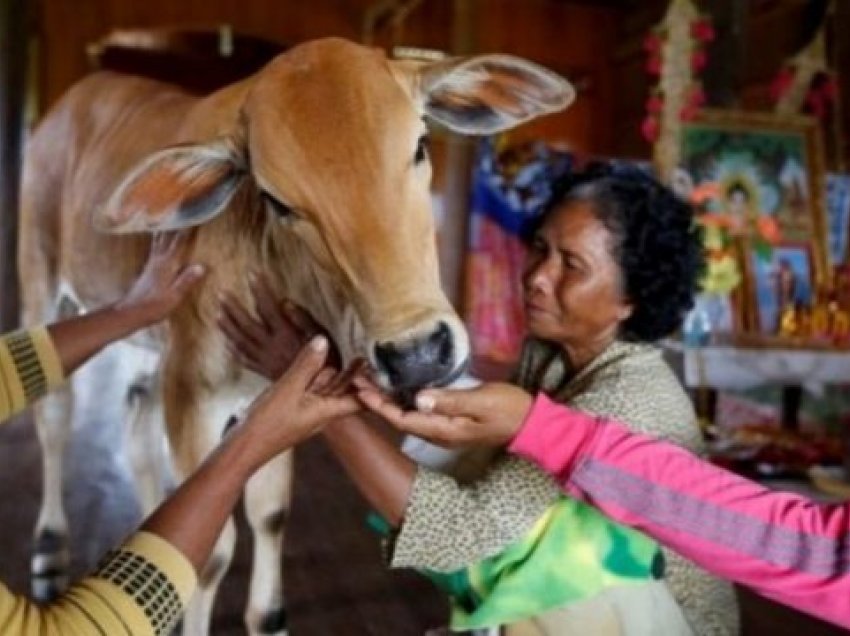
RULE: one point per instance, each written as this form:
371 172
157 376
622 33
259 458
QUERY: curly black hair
656 242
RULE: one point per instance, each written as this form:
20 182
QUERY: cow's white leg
267 504
51 557
145 440
190 446
53 417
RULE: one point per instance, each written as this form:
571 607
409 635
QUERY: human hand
307 396
488 415
266 344
164 282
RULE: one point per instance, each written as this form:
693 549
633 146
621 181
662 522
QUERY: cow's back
78 154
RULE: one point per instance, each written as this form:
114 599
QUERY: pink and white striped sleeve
781 545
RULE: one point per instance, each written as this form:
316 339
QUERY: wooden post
13 68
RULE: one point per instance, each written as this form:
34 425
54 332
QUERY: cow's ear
174 188
489 93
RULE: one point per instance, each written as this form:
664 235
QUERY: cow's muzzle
420 362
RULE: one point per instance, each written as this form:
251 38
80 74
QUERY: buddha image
741 200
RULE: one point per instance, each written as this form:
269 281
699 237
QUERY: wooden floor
335 581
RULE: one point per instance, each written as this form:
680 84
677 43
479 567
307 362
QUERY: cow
315 170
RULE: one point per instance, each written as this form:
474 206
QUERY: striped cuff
154 576
29 367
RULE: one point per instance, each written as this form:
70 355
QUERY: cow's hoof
273 622
49 565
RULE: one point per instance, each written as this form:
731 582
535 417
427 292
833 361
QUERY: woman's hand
488 415
164 281
266 344
305 398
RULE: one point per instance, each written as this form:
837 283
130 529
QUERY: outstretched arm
143 586
34 361
782 545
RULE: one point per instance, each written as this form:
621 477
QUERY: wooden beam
13 70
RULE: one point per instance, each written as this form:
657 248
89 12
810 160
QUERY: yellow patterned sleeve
29 368
140 589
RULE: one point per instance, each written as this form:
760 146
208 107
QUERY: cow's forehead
332 84
324 104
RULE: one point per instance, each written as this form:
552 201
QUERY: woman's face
572 284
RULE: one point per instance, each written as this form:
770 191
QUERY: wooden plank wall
574 39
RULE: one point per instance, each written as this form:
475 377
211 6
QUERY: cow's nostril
418 362
442 341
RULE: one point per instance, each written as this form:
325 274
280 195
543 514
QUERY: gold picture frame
763 164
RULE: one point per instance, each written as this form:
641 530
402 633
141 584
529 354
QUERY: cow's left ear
489 93
174 188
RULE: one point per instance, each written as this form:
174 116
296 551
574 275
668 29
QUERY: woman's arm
144 586
781 545
444 525
35 361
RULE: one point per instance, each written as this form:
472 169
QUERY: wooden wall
571 38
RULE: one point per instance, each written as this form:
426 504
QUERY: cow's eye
421 150
280 209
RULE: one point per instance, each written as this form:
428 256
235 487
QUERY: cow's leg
267 502
192 439
145 440
53 417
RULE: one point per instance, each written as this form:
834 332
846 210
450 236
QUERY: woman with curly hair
613 264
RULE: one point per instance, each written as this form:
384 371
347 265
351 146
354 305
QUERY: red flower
696 96
782 82
829 88
653 65
688 112
654 104
703 30
649 128
652 42
699 58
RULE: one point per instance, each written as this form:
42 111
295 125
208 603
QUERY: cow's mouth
405 397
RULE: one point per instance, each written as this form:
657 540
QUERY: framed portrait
763 165
786 277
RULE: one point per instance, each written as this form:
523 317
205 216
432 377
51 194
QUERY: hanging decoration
805 83
676 54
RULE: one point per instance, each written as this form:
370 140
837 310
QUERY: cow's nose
419 362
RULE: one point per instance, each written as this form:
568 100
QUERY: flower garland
701 32
719 230
820 95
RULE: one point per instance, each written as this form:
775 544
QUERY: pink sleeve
781 545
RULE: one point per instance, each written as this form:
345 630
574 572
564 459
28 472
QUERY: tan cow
314 170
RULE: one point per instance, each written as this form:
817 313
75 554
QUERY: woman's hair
655 242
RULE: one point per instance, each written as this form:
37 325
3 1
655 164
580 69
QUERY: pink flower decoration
652 43
782 82
653 65
703 30
654 104
649 128
699 59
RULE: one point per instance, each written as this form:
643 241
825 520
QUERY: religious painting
838 216
763 165
783 279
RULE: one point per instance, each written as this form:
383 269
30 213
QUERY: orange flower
769 229
704 192
715 219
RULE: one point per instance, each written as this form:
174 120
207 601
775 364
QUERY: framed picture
763 165
786 277
838 216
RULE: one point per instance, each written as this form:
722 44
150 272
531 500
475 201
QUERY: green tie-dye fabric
573 552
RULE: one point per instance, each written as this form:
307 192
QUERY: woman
611 268
142 587
780 544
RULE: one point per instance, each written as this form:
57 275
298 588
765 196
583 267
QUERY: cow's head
330 140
